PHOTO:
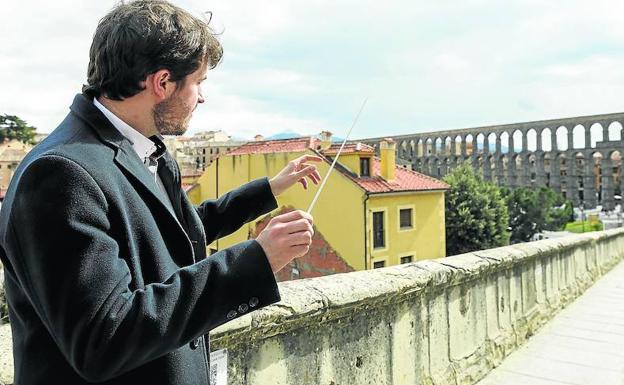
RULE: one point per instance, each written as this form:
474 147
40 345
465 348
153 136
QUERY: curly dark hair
139 38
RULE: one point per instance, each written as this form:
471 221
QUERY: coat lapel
126 158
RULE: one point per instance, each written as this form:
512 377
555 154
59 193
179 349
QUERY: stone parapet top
330 297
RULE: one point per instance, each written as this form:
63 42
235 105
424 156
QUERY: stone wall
447 321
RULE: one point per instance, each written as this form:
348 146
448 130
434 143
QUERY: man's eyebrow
204 78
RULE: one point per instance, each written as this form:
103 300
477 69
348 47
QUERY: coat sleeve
72 271
227 214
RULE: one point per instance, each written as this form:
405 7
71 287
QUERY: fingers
307 158
299 251
302 238
299 226
293 216
309 171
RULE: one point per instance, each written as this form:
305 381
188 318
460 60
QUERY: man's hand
286 237
296 171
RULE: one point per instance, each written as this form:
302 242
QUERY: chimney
326 140
387 148
258 138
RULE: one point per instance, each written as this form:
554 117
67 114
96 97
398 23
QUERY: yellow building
11 154
371 213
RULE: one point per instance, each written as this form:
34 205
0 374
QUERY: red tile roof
405 180
349 147
271 146
296 145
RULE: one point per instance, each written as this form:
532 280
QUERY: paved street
582 345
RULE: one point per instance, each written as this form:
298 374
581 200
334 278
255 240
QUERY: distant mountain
292 135
283 135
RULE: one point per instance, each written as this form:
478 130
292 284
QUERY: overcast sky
306 66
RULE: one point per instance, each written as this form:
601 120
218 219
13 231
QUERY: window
364 167
407 259
379 240
405 216
379 264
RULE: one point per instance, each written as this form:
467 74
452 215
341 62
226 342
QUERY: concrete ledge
446 321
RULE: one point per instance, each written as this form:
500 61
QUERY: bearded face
172 116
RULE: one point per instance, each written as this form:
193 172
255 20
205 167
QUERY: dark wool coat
103 282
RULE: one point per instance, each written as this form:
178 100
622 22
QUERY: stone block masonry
445 321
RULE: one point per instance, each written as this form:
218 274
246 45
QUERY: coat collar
126 157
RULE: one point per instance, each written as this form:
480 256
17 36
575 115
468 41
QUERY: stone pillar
608 201
589 181
588 136
463 146
487 168
526 162
555 173
553 141
500 170
512 172
525 143
605 131
499 150
540 172
486 144
570 139
520 174
538 141
571 182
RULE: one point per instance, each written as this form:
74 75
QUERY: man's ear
160 84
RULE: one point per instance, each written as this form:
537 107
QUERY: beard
172 116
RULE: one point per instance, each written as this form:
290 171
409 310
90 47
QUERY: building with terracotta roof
195 153
372 212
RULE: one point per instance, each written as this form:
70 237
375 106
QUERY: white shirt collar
143 146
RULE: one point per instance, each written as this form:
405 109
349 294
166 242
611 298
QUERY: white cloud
305 66
245 118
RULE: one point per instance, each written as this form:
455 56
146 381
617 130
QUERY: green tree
533 211
476 213
12 127
560 211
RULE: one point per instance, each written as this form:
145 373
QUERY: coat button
253 302
195 343
243 308
231 314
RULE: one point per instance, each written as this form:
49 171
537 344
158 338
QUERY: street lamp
582 206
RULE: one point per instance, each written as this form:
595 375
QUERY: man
105 261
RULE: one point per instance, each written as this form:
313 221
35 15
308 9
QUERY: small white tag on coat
218 367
